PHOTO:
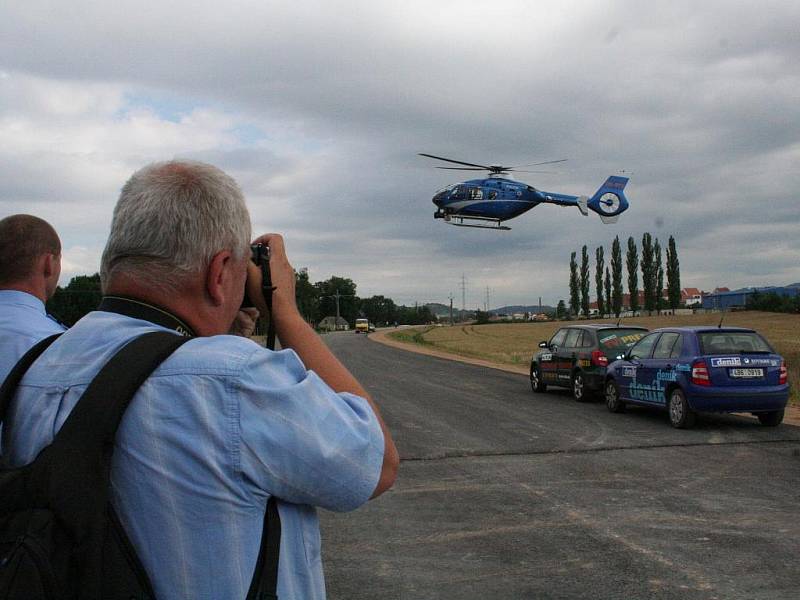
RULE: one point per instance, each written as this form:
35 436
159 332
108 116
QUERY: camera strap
137 309
266 289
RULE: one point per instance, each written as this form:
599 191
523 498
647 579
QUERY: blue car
686 370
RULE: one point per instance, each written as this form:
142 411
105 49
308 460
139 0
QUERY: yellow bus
362 325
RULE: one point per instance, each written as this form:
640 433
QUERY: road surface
503 494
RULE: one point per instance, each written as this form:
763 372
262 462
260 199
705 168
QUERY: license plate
747 372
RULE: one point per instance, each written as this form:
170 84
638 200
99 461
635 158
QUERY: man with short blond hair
30 265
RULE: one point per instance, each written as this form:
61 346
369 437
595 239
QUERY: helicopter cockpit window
457 191
492 194
475 194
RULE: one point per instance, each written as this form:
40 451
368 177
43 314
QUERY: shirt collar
139 309
24 298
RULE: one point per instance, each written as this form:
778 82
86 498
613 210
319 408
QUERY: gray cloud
320 110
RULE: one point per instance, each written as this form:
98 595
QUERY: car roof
607 326
703 329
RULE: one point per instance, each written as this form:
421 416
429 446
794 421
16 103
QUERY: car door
548 363
659 370
634 372
566 356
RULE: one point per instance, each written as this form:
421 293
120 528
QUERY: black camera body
259 254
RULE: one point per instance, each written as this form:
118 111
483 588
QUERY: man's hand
284 304
245 322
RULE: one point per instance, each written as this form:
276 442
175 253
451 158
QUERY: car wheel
681 415
536 380
771 419
579 391
613 402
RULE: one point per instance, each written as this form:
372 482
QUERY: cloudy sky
319 109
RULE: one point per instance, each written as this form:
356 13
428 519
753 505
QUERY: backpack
60 537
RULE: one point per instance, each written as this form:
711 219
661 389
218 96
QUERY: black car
576 357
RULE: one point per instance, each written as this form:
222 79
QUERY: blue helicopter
486 203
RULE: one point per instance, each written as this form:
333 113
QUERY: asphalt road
503 494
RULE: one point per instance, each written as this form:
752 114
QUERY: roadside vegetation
515 343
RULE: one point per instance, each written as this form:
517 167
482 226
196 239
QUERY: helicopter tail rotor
609 200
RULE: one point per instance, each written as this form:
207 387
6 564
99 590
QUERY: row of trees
315 301
608 279
319 300
772 302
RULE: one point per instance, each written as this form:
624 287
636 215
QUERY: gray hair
171 219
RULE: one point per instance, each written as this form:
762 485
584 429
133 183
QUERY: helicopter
486 203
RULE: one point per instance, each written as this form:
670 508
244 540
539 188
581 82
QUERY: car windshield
617 341
733 342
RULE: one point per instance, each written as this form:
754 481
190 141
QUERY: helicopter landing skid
495 223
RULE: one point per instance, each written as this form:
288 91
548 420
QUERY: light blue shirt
23 322
220 426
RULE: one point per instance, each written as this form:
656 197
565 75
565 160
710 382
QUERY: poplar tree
658 267
647 264
608 291
585 283
632 262
598 280
616 274
673 275
574 287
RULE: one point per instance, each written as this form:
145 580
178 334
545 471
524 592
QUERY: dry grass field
515 343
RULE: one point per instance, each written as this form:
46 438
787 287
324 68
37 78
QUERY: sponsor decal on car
727 361
667 375
654 391
546 357
767 362
685 368
629 371
649 393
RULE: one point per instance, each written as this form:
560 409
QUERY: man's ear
49 265
51 270
216 275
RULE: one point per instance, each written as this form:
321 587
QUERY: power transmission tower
336 296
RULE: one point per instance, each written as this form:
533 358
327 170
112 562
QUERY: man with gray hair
223 424
30 265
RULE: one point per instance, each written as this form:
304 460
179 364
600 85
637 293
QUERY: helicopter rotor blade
462 168
540 172
458 162
548 162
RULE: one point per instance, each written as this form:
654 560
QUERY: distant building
691 296
724 299
333 324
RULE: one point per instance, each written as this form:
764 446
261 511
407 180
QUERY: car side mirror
542 344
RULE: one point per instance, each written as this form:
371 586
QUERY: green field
515 343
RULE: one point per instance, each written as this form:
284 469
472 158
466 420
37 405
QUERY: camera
259 254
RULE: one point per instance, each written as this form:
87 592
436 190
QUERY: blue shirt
220 426
23 322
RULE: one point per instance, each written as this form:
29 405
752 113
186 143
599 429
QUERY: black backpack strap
19 370
92 424
264 585
76 467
